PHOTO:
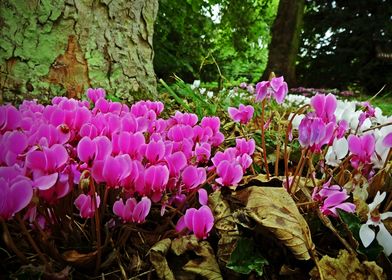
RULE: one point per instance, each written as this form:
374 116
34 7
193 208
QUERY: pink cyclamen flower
314 133
192 177
368 112
245 147
85 205
324 106
277 88
95 93
242 115
199 221
332 198
361 148
132 211
230 173
16 191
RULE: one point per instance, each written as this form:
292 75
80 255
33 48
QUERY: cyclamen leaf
158 259
274 209
245 258
347 266
206 264
225 226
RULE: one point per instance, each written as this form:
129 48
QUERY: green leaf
354 224
246 258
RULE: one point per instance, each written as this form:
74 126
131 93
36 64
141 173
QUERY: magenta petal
233 112
118 208
61 155
181 224
36 160
188 218
17 142
276 83
261 90
368 144
103 146
155 151
141 210
388 140
97 171
335 199
46 182
318 103
280 94
203 221
347 206
354 144
203 196
86 149
21 193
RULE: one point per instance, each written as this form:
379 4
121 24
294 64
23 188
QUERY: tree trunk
59 47
284 45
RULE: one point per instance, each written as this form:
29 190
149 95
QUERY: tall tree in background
347 43
62 47
284 45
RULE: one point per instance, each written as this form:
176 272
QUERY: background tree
55 47
284 45
193 36
347 43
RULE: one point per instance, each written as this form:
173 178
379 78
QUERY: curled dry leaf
274 209
158 259
225 226
79 259
347 266
206 264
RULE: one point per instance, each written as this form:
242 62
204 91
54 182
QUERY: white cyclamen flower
210 94
367 235
337 152
196 84
202 90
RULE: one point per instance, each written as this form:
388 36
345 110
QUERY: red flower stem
97 226
286 140
297 171
263 140
10 243
277 155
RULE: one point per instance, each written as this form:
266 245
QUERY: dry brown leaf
347 266
158 259
79 259
206 265
274 209
225 226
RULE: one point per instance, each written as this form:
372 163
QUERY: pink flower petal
46 182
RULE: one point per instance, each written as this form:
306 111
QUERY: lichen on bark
62 47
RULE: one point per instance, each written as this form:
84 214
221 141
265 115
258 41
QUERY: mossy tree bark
63 47
284 45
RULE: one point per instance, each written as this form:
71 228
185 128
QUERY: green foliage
342 42
190 44
246 258
354 224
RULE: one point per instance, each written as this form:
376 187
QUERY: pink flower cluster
46 150
332 198
319 128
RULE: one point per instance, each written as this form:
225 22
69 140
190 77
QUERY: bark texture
63 47
284 45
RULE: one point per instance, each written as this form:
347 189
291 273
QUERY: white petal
386 215
384 238
341 147
366 234
377 200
